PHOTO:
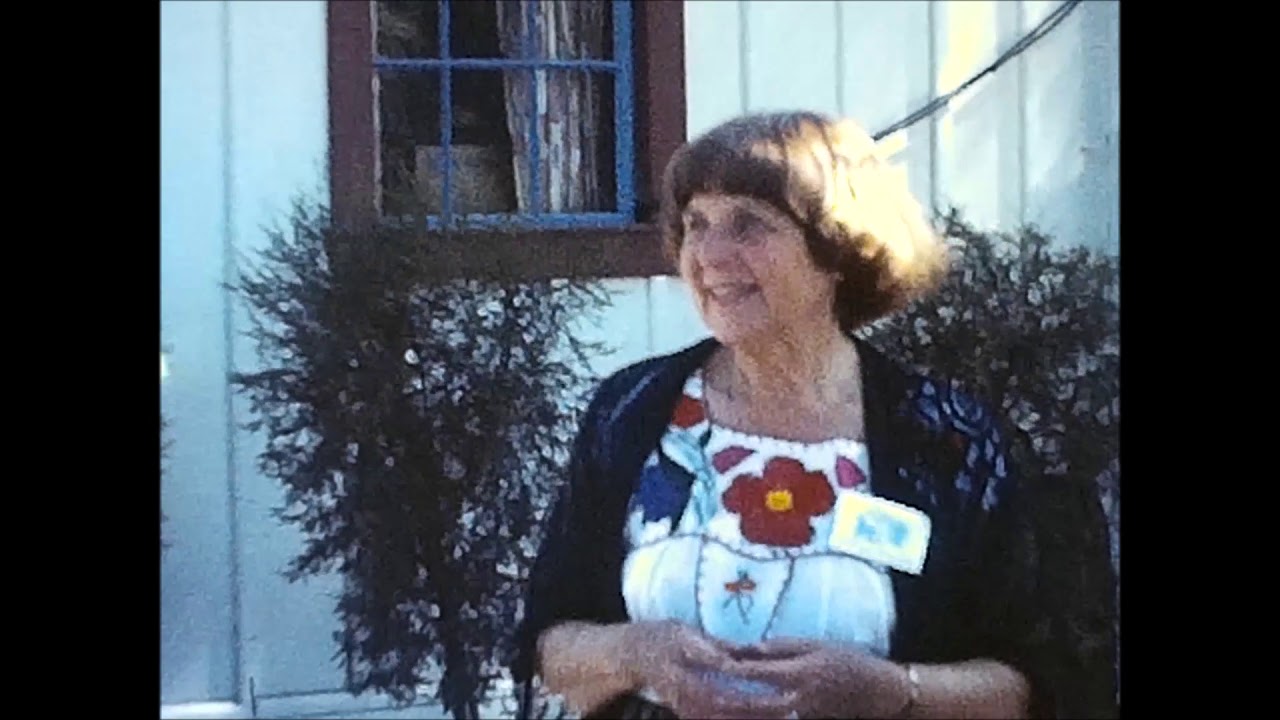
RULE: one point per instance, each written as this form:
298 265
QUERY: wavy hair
858 216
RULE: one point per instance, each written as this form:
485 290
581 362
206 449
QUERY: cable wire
1044 28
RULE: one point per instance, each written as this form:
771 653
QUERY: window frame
632 250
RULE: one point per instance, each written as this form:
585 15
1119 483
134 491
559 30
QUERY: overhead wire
1051 21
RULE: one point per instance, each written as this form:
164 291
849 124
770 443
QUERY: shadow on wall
1073 130
1078 210
1038 142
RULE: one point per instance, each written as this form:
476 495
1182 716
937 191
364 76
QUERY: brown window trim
660 129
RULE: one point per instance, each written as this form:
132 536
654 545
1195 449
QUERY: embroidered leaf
682 449
726 459
848 474
684 455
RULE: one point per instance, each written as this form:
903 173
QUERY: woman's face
749 271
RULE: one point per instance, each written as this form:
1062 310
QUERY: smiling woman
796 512
834 207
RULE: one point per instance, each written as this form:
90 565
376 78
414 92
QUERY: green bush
1033 328
418 429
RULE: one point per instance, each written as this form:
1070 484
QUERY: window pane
493 118
559 29
412 154
574 155
409 117
562 29
408 28
473 29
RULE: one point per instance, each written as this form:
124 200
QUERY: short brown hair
858 217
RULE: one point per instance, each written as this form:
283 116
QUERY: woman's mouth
729 293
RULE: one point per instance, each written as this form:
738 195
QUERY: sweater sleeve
555 592
1043 598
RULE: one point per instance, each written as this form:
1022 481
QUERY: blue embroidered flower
998 468
973 456
966 412
927 405
663 490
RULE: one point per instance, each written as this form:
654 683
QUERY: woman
777 522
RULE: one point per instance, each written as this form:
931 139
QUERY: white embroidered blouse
746 557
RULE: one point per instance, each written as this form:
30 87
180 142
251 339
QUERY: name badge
880 531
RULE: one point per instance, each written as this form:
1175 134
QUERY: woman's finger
776 649
725 646
781 671
707 697
699 649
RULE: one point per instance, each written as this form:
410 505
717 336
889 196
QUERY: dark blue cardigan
935 449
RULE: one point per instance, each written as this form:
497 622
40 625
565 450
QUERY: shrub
1033 329
417 428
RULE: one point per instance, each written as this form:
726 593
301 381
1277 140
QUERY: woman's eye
746 223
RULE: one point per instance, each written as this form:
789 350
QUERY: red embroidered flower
688 413
776 509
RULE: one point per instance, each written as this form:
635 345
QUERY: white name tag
880 531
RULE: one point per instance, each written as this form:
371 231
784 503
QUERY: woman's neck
809 367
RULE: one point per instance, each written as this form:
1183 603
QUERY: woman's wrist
973 688
897 690
911 674
588 655
619 656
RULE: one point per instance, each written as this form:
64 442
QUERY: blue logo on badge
879 528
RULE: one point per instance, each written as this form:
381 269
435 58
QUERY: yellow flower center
778 500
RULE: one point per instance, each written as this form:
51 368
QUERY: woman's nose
716 246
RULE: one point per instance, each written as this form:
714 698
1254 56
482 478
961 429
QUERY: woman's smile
730 294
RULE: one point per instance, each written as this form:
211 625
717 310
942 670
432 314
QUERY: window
535 133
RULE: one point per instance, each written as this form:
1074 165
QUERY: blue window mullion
533 60
544 221
623 116
421 64
446 115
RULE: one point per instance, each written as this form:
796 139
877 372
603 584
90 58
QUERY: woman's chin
734 331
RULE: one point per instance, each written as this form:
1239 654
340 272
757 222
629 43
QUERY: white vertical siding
713 62
623 327
978 137
880 90
279 119
244 129
198 642
646 316
1072 107
676 324
1034 142
773 32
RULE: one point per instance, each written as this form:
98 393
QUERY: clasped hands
696 675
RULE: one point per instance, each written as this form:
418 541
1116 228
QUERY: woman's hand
590 664
828 680
679 664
